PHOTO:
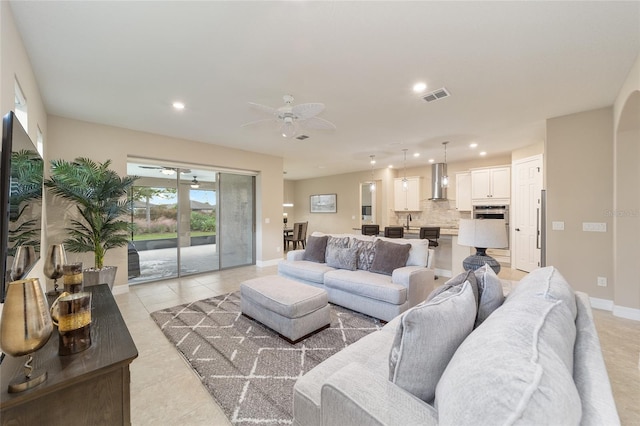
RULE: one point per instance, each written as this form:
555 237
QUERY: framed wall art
323 203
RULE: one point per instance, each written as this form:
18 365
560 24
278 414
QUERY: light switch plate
557 226
594 227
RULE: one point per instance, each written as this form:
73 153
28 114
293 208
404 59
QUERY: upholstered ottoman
292 309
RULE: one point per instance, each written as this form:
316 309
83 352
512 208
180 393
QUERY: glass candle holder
72 277
74 323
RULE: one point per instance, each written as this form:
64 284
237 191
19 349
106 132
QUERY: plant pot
106 275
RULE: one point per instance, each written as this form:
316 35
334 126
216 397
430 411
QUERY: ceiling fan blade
264 120
150 167
304 111
263 108
317 123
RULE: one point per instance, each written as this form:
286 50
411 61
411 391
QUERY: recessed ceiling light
431 160
473 145
416 155
419 87
178 105
483 153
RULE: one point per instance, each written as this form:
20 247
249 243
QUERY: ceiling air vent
302 137
436 95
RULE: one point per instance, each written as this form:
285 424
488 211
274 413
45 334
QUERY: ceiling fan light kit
291 117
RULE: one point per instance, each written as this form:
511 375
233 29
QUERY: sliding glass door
189 221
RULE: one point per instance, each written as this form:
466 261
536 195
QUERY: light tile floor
166 391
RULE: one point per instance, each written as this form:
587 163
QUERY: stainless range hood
438 171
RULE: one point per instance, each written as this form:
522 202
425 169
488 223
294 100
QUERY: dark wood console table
87 388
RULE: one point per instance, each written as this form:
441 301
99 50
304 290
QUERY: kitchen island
448 255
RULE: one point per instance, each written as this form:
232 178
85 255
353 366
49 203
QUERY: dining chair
431 233
370 229
394 232
299 235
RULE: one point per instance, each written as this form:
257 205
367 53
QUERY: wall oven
502 255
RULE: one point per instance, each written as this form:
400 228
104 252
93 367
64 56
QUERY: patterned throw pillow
335 243
343 258
366 251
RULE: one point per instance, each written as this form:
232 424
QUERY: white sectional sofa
462 358
380 277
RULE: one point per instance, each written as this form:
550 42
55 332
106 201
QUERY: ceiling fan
291 117
167 170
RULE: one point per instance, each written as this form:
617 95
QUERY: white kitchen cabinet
407 199
463 192
491 185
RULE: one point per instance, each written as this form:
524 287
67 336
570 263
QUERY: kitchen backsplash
434 213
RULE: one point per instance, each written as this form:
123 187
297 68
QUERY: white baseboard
617 311
265 263
628 313
604 304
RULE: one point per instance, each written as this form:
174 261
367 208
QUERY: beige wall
347 187
69 139
579 176
626 212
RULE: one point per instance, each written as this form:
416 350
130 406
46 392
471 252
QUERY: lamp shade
485 233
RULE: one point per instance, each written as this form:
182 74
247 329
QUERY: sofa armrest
589 370
295 255
354 395
418 280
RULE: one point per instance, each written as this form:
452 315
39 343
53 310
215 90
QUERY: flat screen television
21 180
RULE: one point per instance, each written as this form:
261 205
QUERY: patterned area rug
246 367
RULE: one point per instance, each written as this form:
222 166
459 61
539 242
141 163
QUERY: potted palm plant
100 197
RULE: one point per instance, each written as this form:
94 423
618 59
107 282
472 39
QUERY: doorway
527 213
189 220
368 203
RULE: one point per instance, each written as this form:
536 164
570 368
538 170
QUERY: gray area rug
246 367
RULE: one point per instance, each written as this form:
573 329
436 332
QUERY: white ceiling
508 65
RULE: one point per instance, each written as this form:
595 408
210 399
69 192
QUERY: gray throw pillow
343 258
389 256
366 252
458 280
490 292
427 337
316 248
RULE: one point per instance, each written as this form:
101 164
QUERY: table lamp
482 234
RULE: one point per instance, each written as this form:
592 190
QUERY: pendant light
405 182
445 178
372 185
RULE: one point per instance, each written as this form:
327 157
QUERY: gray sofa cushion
366 284
315 249
343 258
489 291
304 270
528 373
389 256
428 336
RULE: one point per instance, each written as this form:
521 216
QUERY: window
40 143
20 107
